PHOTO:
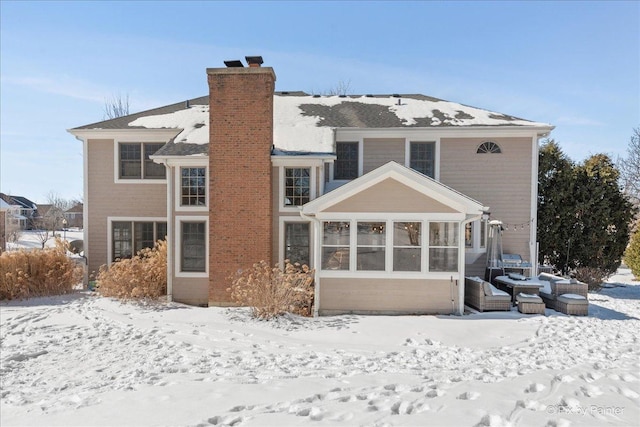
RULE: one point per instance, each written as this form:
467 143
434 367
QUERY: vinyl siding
387 296
108 199
378 151
390 196
191 290
500 181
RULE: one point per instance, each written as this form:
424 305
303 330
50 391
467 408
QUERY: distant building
21 212
74 215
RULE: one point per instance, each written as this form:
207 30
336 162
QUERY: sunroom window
371 246
443 246
468 235
407 246
335 245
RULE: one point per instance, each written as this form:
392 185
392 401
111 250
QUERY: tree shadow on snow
604 313
42 301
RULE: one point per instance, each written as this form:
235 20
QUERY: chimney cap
236 63
254 61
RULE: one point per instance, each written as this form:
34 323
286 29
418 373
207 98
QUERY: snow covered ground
86 360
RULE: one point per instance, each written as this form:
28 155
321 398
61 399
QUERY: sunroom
390 242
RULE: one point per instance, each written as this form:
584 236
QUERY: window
390 246
443 246
122 240
335 246
193 186
297 242
422 158
475 236
489 147
135 163
143 235
371 246
407 246
346 164
130 237
297 186
193 251
468 235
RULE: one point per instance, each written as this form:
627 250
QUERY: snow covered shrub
143 276
632 254
594 277
272 291
28 274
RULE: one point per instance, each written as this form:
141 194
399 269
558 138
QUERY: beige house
386 196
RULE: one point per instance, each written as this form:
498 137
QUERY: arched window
489 147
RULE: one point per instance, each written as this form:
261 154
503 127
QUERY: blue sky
573 64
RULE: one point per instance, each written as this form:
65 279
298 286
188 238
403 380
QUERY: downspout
85 210
170 241
316 261
461 261
533 230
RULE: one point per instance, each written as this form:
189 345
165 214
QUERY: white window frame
360 142
387 257
312 185
423 256
416 135
436 154
141 139
112 219
177 174
477 246
456 227
179 219
281 231
423 219
313 164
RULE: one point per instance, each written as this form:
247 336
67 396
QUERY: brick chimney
240 140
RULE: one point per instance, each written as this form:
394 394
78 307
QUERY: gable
390 195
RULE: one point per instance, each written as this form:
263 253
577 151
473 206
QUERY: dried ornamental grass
272 291
143 276
28 274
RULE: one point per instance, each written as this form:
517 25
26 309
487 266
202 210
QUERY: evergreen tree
632 254
555 193
583 215
603 214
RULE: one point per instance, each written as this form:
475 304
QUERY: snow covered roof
305 123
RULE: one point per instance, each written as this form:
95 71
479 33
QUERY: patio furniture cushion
572 299
572 304
492 291
528 298
530 304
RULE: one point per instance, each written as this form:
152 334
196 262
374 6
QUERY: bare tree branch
117 106
340 88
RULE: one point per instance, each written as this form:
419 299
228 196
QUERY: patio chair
564 295
483 296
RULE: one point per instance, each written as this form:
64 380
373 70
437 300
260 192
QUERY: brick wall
240 215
